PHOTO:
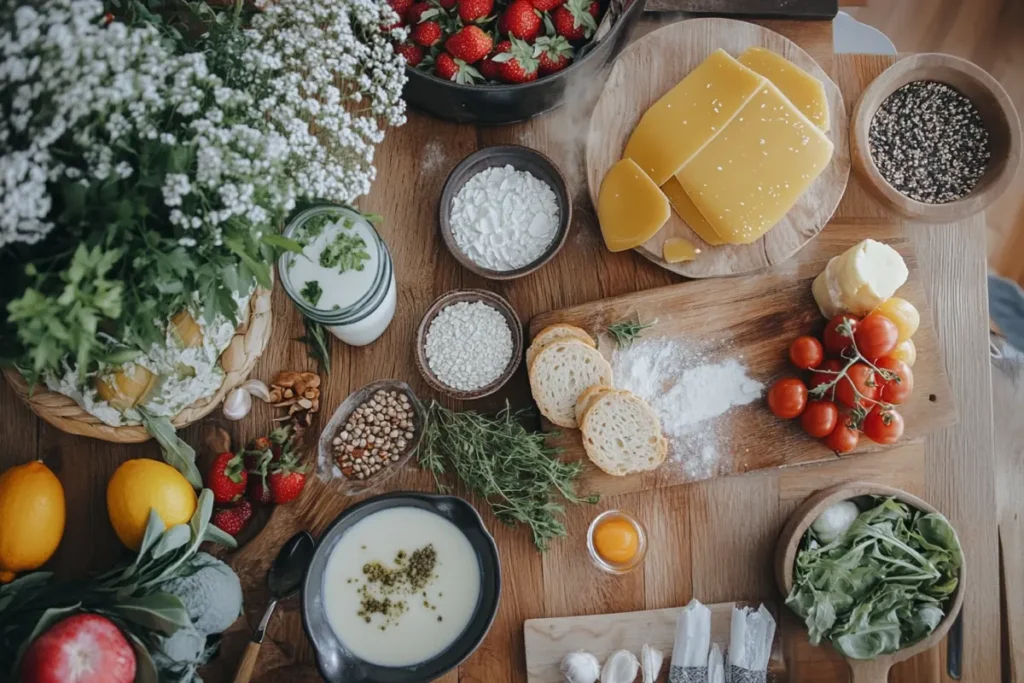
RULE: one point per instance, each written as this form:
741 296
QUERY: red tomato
836 340
787 397
825 373
843 438
84 648
898 389
859 379
883 425
876 336
806 352
819 418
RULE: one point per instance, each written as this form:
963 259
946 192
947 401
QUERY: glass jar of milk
344 277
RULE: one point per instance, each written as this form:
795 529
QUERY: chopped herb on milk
312 292
346 252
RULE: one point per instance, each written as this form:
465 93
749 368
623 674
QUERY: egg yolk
616 541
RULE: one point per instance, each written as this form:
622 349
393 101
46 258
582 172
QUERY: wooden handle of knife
248 663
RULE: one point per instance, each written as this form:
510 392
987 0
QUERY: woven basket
237 360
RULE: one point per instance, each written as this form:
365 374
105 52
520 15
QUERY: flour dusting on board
688 391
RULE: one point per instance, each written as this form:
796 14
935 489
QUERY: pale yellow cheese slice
630 207
696 109
687 210
805 91
745 180
677 250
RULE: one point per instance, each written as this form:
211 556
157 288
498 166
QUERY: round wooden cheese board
645 71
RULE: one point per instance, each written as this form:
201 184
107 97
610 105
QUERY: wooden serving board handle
870 670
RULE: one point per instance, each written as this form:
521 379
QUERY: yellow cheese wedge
805 91
630 207
677 249
745 180
696 109
688 211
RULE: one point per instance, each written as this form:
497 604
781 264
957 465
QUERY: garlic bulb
651 660
580 667
621 667
238 402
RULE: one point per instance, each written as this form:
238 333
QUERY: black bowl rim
393 500
561 190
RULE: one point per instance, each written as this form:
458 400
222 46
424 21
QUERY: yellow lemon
31 518
139 485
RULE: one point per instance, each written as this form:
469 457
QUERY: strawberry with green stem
227 477
576 19
520 20
287 478
470 44
452 69
553 53
411 52
475 10
517 64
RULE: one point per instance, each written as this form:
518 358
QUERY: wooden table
711 540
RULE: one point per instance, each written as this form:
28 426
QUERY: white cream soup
338 263
401 586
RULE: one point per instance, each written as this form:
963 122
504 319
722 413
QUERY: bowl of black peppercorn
935 138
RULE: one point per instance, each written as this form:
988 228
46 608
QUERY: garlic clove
256 388
651 660
237 404
580 667
621 667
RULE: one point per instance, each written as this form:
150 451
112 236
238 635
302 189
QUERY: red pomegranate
85 648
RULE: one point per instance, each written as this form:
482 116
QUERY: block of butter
859 279
805 91
630 207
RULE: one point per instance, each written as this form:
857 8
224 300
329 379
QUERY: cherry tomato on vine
859 387
836 340
905 351
819 418
898 389
806 352
883 425
825 373
843 438
787 397
876 336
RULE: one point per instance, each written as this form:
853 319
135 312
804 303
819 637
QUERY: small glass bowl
611 567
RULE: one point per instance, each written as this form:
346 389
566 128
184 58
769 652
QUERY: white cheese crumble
468 345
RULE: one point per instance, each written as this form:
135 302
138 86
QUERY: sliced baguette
622 434
586 400
560 373
553 333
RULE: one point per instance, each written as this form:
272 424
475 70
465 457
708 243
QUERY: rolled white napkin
750 644
690 650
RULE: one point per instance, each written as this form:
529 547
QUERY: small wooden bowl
522 159
997 112
351 486
861 670
470 295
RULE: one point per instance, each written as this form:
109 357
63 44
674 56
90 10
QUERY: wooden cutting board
549 640
649 68
754 320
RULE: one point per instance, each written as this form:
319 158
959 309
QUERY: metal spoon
284 578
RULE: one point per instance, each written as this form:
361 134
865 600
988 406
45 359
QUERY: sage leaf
161 612
177 453
215 534
154 529
172 539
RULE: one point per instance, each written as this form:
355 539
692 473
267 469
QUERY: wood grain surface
752 321
712 540
649 68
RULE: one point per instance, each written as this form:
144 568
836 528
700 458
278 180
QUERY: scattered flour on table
688 390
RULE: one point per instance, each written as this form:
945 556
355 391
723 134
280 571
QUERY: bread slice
553 333
622 434
586 400
560 373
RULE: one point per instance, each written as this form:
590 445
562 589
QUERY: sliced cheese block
677 250
805 91
859 279
696 109
688 211
622 434
745 180
560 373
553 333
630 207
586 400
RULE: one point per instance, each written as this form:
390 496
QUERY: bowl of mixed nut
371 435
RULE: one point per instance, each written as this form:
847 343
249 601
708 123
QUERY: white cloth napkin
750 643
693 636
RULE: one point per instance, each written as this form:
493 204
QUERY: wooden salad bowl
994 106
861 670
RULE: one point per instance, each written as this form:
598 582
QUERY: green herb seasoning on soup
338 261
875 579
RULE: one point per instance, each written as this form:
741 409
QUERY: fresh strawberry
259 490
475 10
517 64
554 54
287 478
227 478
401 7
412 53
426 33
521 20
576 19
546 5
233 520
452 69
470 44
419 12
489 68
447 4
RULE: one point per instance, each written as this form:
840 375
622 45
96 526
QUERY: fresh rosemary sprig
625 332
317 344
501 461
